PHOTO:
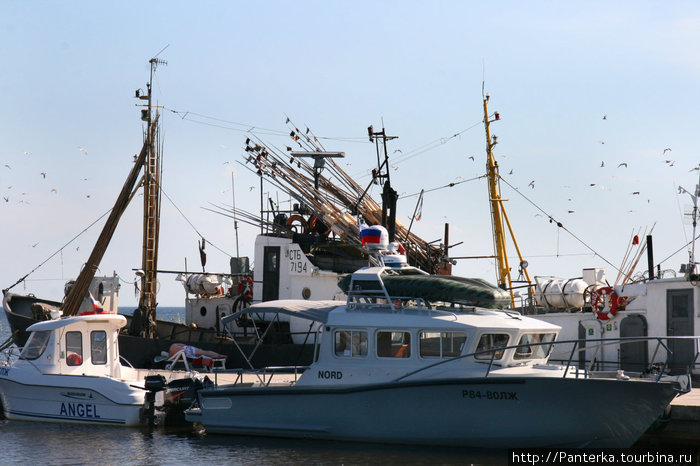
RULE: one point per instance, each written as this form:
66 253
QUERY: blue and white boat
393 370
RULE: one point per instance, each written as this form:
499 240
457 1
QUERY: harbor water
34 442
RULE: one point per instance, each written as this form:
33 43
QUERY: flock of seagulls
44 174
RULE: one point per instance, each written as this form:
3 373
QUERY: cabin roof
113 320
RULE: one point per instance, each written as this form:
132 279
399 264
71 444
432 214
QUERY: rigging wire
57 252
190 223
449 185
558 223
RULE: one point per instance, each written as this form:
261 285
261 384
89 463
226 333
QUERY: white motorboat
70 371
387 371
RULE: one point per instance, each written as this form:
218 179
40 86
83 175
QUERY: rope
57 252
559 224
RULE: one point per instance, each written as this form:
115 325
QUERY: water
29 442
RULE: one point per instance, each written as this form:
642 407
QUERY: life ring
300 220
316 225
74 359
245 288
604 303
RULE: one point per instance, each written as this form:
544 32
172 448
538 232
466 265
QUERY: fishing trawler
392 370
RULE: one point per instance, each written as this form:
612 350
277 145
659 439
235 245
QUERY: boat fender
298 219
245 288
605 303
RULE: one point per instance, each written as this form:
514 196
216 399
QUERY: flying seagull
667 149
636 192
43 174
623 164
602 164
532 184
605 117
8 166
82 149
471 157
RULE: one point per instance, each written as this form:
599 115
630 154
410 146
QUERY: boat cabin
375 337
80 345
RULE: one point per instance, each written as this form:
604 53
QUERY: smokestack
650 257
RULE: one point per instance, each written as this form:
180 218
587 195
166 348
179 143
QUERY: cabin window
98 347
534 350
74 348
36 344
441 344
350 343
491 341
393 344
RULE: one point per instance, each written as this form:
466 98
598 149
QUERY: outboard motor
179 395
153 384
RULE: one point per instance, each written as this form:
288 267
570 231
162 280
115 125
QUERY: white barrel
560 293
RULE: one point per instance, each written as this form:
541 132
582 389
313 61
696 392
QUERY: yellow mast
498 214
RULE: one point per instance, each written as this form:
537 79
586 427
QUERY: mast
499 218
151 213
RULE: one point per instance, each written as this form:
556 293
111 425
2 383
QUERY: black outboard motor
179 395
153 384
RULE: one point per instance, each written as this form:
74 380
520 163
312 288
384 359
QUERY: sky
582 88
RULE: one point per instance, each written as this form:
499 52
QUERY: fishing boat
392 370
70 371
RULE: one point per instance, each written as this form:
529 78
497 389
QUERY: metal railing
577 347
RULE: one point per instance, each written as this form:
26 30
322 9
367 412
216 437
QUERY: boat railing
265 376
658 369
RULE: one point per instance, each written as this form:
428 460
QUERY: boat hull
491 412
70 399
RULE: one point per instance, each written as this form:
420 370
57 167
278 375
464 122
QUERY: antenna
694 196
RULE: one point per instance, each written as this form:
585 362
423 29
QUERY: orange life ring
245 288
604 303
316 225
74 359
300 220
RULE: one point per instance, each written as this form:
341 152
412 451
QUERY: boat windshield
491 341
534 352
36 344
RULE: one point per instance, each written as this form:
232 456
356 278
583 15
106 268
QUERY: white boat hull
491 412
72 399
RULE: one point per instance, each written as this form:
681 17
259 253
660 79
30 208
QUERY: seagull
8 166
35 245
510 172
54 190
27 153
605 117
532 184
7 199
43 174
622 164
602 142
636 192
471 157
398 150
571 211
667 149
82 149
77 248
602 164
226 163
692 169
251 188
88 196
592 184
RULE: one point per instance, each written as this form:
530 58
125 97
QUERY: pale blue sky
553 70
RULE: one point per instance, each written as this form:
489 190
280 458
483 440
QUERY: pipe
650 257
